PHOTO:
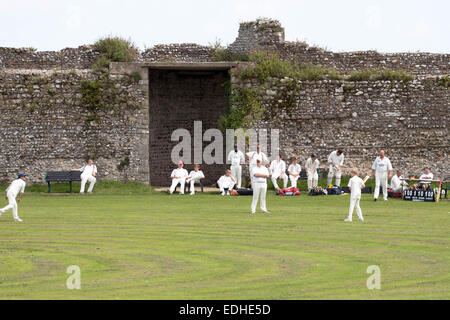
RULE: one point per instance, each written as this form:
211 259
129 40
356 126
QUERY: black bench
62 176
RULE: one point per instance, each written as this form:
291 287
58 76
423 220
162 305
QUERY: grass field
133 243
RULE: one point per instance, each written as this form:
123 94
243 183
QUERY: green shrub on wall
114 49
245 108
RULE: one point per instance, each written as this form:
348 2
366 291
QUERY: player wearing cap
178 176
311 166
16 188
236 158
382 170
336 161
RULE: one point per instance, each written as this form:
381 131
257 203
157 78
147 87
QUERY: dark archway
180 94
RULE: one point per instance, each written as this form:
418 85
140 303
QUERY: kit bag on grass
318 192
242 192
334 190
288 192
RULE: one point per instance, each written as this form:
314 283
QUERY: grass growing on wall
220 53
246 104
114 49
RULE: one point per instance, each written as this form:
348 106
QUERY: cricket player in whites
179 177
294 171
196 175
237 159
16 188
336 161
254 156
311 166
355 185
88 173
278 171
382 170
259 174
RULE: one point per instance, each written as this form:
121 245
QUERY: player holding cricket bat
336 161
355 185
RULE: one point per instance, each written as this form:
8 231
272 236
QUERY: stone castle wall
409 121
44 124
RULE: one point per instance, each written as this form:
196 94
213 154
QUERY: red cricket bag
288 192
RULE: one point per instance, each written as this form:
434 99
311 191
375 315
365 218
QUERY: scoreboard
419 195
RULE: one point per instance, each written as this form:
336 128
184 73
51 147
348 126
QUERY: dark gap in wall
177 98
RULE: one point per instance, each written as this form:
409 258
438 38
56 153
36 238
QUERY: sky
344 25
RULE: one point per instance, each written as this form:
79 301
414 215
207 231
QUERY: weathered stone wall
410 121
45 126
186 52
268 35
70 58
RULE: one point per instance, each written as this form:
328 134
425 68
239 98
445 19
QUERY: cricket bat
438 196
366 178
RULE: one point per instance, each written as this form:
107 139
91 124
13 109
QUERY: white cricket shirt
16 187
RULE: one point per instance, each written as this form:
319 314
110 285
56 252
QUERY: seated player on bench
425 179
178 177
195 177
398 184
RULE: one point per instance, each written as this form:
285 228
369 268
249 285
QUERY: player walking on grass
259 174
355 185
16 188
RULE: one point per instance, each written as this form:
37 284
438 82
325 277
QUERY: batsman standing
336 161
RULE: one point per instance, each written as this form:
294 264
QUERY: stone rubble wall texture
269 35
409 121
44 126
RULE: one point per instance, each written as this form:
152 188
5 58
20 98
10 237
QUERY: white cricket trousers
223 186
12 205
294 181
92 180
275 183
381 178
313 180
259 191
334 172
236 172
175 182
354 202
192 185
